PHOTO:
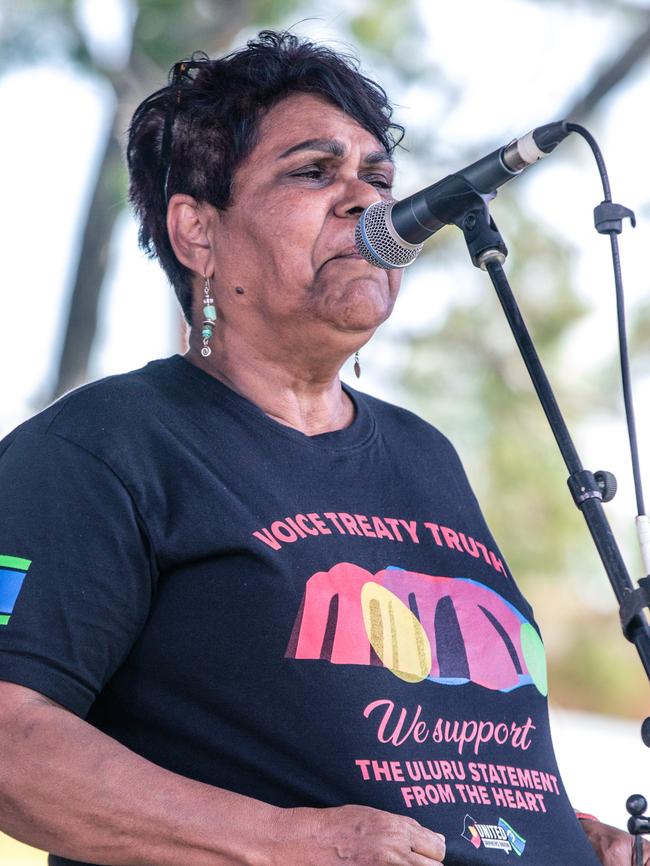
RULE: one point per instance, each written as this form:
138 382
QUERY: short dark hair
212 110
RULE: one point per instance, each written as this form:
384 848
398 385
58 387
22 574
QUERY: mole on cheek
239 290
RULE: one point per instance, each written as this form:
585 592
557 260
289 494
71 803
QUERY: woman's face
287 238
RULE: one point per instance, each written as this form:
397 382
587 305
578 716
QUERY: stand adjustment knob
645 732
637 823
607 483
636 804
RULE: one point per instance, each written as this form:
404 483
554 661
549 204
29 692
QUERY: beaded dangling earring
209 317
357 365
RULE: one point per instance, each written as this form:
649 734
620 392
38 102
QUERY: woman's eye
311 173
318 173
379 181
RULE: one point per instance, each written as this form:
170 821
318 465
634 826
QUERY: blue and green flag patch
12 573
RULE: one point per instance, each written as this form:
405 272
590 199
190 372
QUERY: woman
251 616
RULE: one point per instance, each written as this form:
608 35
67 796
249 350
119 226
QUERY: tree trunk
81 324
611 76
108 198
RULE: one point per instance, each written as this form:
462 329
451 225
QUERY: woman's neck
305 396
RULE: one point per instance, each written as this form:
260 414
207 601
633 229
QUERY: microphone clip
608 217
468 209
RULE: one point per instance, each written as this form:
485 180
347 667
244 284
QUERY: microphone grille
378 242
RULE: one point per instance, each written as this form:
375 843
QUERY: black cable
598 156
613 228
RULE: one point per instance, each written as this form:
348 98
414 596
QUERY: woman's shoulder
99 411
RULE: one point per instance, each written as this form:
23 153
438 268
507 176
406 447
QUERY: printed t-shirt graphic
449 630
501 836
12 574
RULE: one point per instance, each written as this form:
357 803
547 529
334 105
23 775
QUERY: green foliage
164 31
38 31
392 31
640 337
469 378
268 13
595 668
381 24
167 31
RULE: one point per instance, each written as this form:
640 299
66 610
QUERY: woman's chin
364 306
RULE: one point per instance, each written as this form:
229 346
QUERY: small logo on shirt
12 573
500 836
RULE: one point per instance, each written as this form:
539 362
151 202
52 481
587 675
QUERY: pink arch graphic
474 633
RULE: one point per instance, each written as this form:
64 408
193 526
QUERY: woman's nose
356 196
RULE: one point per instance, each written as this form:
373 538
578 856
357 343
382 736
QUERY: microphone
390 234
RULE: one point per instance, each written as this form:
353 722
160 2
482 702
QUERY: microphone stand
468 209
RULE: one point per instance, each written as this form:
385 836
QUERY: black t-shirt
311 621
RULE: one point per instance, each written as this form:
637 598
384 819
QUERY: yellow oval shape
395 634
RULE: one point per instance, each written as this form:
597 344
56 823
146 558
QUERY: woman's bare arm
70 789
67 788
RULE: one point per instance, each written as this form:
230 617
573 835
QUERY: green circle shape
534 656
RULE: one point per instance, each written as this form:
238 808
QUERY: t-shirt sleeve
76 569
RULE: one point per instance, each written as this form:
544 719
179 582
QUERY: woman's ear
188 229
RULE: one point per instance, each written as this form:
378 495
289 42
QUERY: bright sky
518 65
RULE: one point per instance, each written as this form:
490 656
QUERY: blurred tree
615 69
492 409
467 376
162 32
